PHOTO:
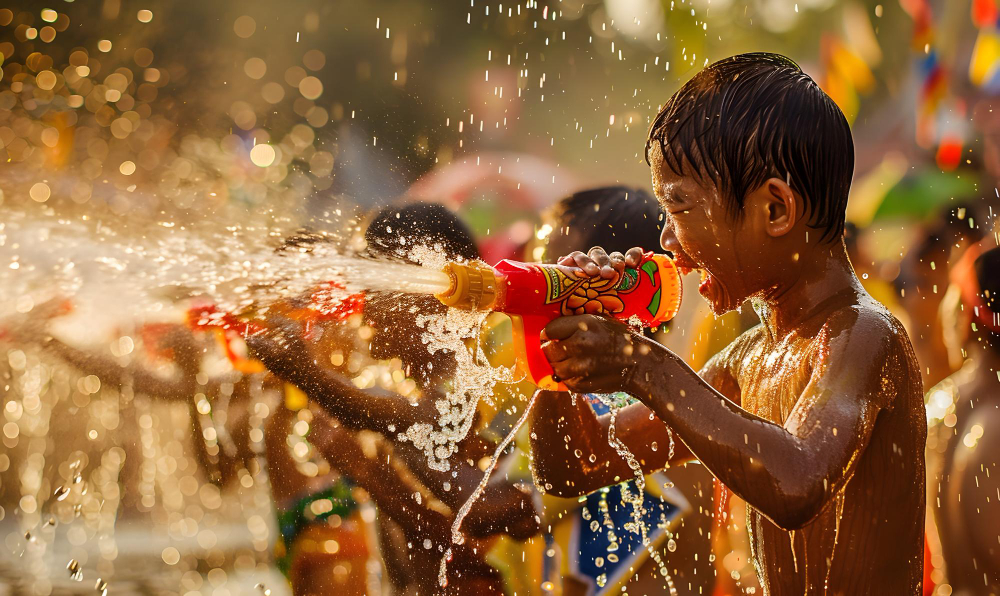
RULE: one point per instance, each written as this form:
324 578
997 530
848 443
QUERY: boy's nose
667 238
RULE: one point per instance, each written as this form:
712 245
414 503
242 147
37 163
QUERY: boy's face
703 236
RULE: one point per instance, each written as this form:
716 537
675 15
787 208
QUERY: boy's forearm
361 409
760 461
391 493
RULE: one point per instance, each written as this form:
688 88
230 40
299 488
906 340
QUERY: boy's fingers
564 327
603 260
617 262
572 368
554 351
587 264
634 256
598 255
570 259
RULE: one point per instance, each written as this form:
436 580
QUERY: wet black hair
754 116
393 231
615 218
987 268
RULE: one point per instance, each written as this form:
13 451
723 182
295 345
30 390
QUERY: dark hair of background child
615 218
755 116
393 231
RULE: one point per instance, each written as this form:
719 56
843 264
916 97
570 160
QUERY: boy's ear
782 209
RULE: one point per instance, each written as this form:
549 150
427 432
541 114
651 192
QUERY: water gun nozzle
473 286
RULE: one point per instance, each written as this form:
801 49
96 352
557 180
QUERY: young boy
815 417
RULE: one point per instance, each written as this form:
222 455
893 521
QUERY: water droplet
671 545
654 446
75 572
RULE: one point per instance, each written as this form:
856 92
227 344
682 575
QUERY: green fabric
294 519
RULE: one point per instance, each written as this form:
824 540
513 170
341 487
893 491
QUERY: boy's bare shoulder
868 337
867 320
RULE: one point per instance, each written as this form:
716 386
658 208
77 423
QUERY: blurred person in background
963 445
923 279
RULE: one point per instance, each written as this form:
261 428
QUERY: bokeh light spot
245 26
310 87
40 192
262 155
255 68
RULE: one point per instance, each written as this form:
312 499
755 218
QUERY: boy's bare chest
772 376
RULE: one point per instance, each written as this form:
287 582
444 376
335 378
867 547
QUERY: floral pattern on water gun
583 296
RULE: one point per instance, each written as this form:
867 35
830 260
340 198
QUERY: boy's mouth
706 277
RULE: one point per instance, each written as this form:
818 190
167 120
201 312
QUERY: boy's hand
592 354
597 262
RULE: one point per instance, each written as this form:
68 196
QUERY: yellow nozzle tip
473 286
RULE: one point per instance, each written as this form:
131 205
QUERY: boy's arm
286 355
502 508
560 427
787 472
391 493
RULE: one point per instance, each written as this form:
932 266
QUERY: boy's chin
718 299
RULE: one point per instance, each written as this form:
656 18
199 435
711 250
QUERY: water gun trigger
531 361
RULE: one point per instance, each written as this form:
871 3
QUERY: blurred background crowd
134 118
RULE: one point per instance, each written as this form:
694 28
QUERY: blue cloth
591 545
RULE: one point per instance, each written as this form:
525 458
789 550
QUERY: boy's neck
825 280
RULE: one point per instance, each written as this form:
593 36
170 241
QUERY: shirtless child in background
815 417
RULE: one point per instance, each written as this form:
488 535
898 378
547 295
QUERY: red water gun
329 302
534 294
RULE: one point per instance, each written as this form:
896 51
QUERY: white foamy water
141 270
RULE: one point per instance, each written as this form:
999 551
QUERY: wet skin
815 417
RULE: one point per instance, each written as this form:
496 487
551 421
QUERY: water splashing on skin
839 504
795 560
